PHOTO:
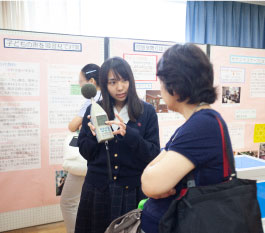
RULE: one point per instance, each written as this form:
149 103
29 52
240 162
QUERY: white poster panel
19 136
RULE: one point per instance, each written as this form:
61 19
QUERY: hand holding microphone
92 127
98 116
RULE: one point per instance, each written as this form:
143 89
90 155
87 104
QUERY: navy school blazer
129 154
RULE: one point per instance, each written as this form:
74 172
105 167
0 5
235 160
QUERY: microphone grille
89 90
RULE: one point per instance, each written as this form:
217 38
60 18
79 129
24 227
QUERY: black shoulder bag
227 207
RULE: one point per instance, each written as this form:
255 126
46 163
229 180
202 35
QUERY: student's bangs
120 72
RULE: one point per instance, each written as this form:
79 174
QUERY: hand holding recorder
98 116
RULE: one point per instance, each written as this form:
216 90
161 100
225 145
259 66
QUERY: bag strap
228 159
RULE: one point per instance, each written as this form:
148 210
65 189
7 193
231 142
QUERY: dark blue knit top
198 139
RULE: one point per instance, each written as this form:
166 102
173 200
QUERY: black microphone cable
108 160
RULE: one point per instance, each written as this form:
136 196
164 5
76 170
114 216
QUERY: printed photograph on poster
154 97
250 153
262 150
60 177
231 95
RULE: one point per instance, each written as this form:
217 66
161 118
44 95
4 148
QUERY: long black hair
120 69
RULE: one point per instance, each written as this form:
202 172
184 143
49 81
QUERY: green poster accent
75 90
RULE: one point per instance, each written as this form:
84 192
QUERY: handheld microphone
89 91
98 118
98 115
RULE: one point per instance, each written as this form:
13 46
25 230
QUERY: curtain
225 23
12 15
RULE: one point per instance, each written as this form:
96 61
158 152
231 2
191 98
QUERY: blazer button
116 167
115 178
115 155
126 187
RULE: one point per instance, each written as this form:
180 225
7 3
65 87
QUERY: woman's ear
93 81
176 96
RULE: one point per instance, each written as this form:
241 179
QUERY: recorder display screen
101 120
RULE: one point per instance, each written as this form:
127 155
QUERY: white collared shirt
123 114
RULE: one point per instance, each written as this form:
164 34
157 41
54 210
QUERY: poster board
39 95
240 78
143 56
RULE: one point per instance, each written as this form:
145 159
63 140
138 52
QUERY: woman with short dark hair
186 83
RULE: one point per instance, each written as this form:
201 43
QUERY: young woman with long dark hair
136 143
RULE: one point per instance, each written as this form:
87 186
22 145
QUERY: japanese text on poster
19 135
245 114
56 142
247 60
232 75
143 67
237 135
257 83
42 45
64 101
19 79
153 48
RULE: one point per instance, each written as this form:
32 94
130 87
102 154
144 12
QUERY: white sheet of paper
143 67
56 143
62 105
19 79
170 116
257 83
232 75
19 136
245 114
167 132
237 135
